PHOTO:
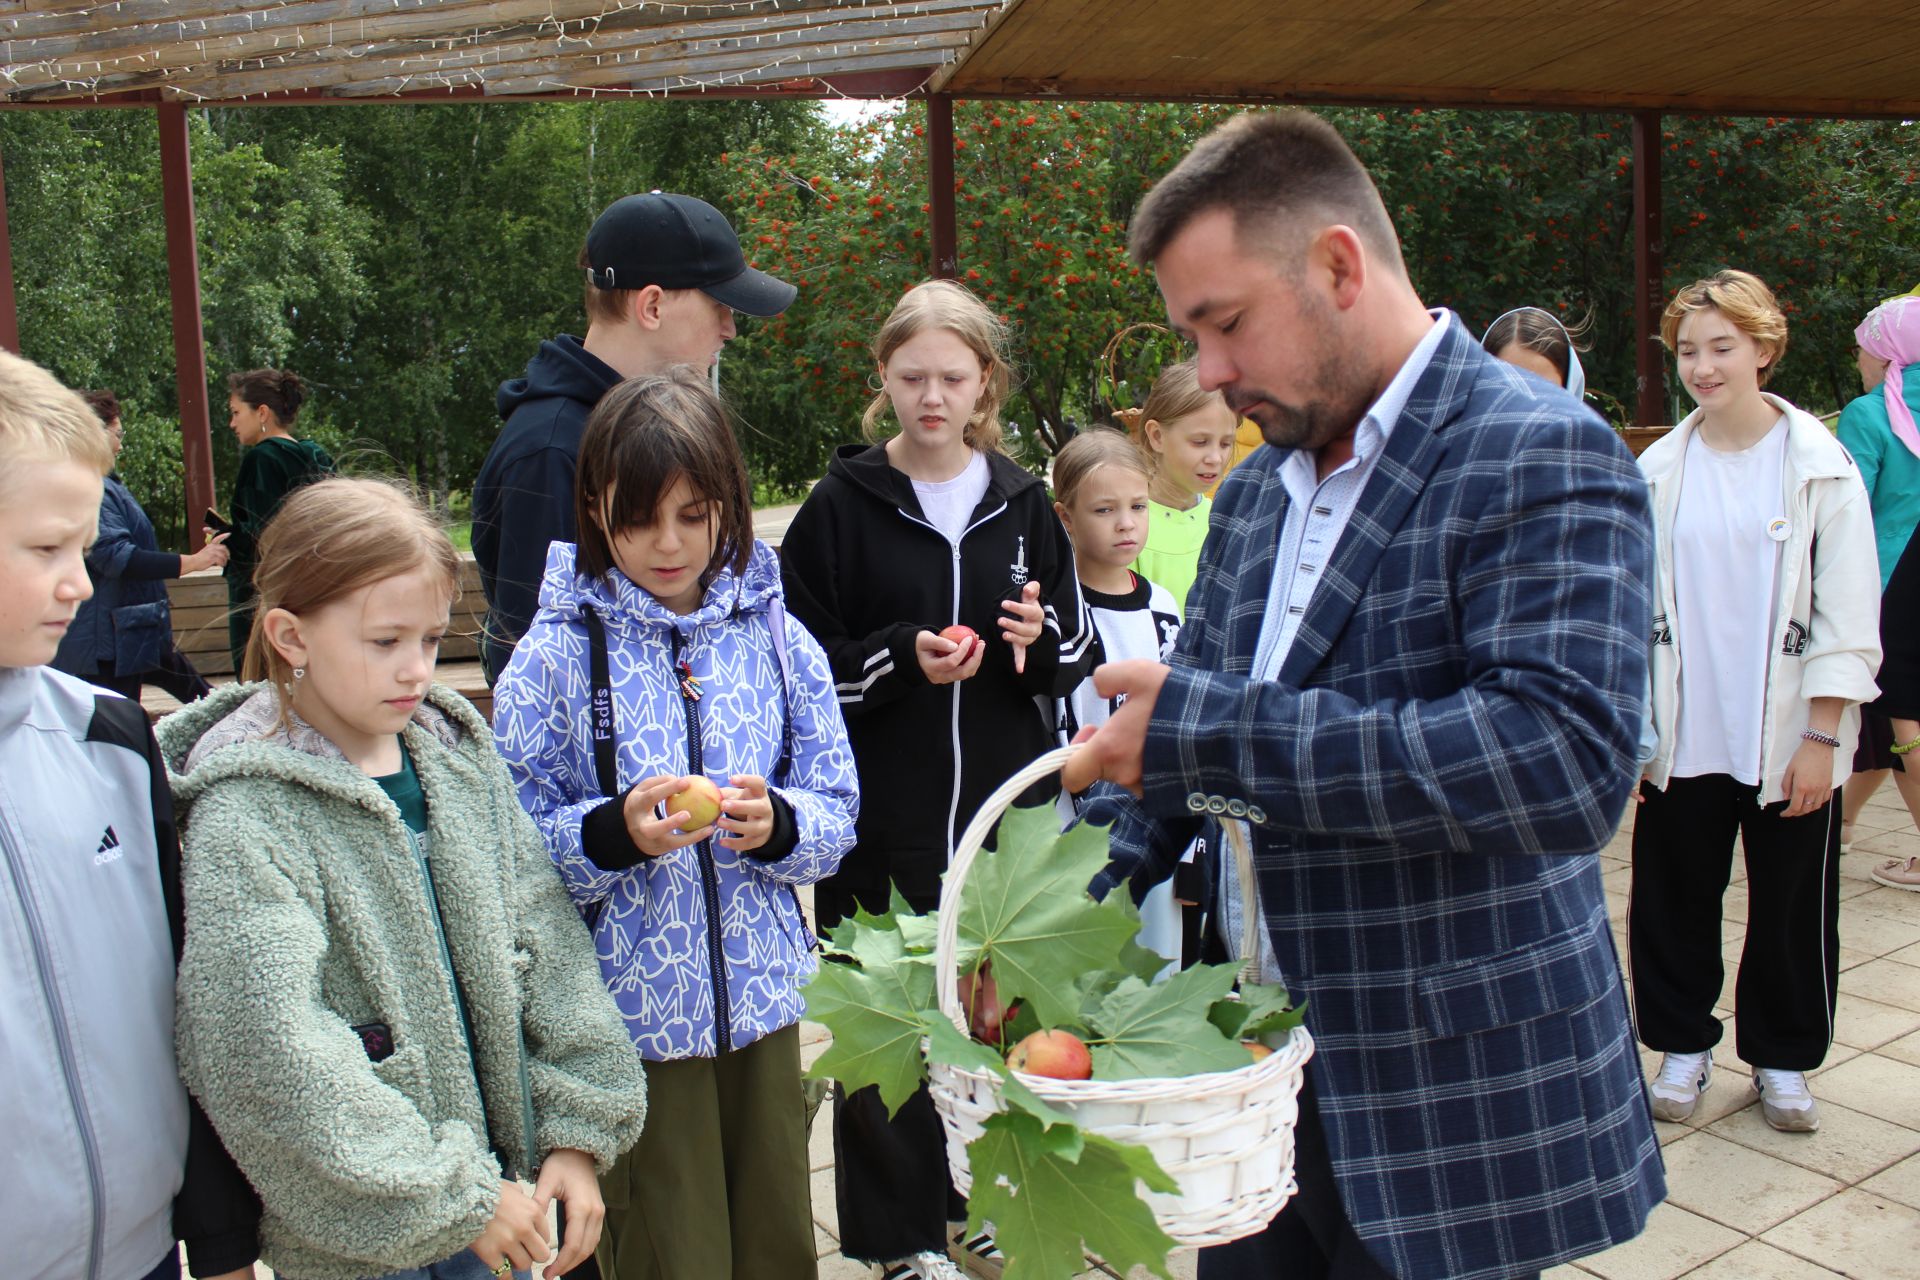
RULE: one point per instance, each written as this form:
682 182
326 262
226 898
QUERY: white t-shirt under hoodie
949 504
1728 528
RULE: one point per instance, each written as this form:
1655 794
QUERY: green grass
462 535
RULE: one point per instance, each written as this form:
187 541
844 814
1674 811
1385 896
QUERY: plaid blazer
1451 739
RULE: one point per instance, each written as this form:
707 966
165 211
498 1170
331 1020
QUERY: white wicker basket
1225 1137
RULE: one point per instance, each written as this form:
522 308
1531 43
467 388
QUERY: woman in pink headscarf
1879 430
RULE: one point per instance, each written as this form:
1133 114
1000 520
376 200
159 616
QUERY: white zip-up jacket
1826 616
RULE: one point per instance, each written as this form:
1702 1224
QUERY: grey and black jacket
109 1160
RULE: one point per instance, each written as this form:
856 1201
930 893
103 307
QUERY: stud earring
299 674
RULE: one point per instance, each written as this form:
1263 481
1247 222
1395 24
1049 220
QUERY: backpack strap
606 764
777 620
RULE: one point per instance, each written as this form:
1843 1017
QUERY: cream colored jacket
1826 616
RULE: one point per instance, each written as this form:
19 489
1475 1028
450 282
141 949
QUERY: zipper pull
689 682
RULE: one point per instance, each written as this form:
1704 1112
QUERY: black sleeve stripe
122 722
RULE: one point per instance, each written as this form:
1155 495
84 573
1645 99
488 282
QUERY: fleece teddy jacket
704 948
308 917
1826 612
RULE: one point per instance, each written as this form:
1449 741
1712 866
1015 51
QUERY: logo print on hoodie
1018 569
109 850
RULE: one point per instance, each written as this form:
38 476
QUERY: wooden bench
200 630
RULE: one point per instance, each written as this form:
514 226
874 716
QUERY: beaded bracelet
1824 739
1901 748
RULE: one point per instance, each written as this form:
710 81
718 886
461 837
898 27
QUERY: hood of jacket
867 467
565 589
236 732
1812 451
562 368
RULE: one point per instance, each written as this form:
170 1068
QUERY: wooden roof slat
328 66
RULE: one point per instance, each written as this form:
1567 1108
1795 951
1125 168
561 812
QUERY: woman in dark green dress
262 404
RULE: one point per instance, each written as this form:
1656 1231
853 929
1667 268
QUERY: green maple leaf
1162 1029
1262 1009
946 1043
1026 907
877 1010
842 937
1053 1194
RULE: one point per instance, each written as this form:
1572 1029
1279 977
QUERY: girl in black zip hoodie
901 540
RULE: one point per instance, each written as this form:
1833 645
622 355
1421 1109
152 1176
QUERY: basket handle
947 940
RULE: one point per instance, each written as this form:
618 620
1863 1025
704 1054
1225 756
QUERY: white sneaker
979 1256
1785 1101
1683 1078
926 1265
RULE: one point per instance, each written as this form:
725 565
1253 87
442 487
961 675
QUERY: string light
458 58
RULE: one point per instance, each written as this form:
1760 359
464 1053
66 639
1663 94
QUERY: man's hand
656 836
1115 751
567 1175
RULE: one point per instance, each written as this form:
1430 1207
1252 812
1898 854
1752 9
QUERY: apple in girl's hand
1058 1054
700 801
964 636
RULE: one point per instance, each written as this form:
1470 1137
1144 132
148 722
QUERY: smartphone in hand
217 522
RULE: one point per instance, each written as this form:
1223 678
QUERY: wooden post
189 338
946 242
1649 274
9 314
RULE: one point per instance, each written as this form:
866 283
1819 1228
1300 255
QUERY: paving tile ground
1744 1202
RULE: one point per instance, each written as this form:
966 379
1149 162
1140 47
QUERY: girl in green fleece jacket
387 1005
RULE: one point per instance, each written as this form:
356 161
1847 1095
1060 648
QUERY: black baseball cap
678 242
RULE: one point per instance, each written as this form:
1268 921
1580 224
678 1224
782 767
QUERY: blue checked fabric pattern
1450 740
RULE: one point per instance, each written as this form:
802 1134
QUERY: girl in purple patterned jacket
661 653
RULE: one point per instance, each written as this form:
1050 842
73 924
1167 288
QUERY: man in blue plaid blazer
1412 666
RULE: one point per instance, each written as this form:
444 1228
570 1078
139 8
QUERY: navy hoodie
523 497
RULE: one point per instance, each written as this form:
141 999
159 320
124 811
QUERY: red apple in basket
964 636
1259 1051
700 801
1058 1054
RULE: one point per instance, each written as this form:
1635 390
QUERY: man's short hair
42 421
1267 168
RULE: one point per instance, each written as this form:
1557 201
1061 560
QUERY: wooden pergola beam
189 336
1649 274
800 62
946 238
9 312
680 53
240 65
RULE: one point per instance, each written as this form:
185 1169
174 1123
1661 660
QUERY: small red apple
1058 1054
964 636
701 801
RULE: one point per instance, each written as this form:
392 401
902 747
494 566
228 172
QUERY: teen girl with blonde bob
902 539
387 1005
1765 642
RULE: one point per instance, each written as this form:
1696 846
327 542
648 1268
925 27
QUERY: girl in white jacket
1765 642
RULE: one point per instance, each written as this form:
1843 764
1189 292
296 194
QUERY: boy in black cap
664 276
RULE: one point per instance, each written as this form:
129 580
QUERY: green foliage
407 259
1026 917
1029 911
877 1006
1053 1193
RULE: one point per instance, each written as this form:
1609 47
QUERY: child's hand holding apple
692 806
746 813
950 656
